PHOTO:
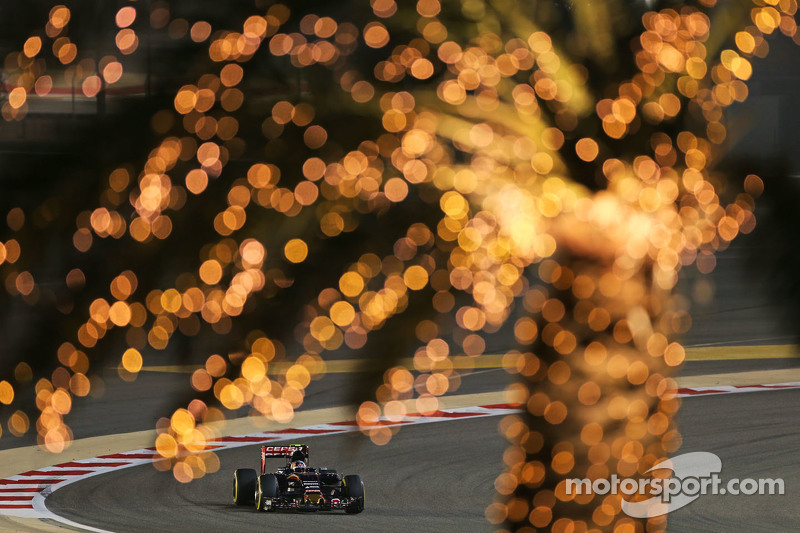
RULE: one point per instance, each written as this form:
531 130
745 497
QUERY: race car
297 486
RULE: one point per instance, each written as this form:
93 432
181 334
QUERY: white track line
687 392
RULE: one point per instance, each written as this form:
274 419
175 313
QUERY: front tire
266 489
354 488
244 486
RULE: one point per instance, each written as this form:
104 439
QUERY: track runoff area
23 495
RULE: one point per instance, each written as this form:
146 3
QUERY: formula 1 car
296 486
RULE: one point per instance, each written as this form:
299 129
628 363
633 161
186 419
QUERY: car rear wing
281 451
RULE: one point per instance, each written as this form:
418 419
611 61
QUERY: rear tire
244 486
266 488
354 488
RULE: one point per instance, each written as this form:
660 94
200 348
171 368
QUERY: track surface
439 479
756 435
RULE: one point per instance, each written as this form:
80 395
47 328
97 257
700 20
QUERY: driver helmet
297 466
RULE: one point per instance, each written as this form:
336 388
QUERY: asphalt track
439 477
757 436
430 478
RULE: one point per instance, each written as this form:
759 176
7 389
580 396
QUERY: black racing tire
354 488
244 486
266 487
